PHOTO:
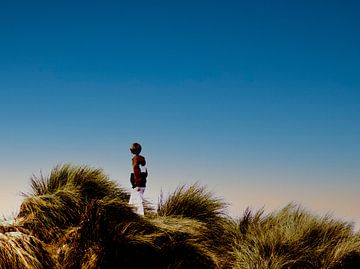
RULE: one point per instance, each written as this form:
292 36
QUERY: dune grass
78 218
58 201
19 250
48 216
91 183
295 238
195 202
114 236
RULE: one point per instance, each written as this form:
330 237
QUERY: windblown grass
90 182
58 201
78 218
197 203
193 202
295 238
48 216
19 250
111 235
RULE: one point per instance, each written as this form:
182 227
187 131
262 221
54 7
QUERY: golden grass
78 218
19 250
295 238
91 183
114 236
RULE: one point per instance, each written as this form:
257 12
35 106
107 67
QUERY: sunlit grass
20 250
295 238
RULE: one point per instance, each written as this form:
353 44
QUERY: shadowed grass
111 235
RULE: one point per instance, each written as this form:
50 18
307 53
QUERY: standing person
138 179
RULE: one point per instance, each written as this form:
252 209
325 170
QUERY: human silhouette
138 179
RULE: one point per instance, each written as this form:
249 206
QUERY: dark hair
135 148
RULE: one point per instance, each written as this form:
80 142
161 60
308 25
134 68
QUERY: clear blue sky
259 100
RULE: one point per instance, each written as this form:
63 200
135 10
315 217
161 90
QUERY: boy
137 179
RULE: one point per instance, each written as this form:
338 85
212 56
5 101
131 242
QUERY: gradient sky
258 100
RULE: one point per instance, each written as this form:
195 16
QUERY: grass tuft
78 218
192 202
111 235
91 183
19 250
294 238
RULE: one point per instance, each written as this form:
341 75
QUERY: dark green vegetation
78 218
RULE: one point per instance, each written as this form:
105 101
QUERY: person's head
135 148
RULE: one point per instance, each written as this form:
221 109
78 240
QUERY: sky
257 100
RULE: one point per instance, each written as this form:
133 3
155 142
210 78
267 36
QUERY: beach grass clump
192 202
111 235
20 250
57 202
294 238
195 202
48 216
92 183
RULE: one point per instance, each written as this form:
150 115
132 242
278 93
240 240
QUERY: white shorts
137 199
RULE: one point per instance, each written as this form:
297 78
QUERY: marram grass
295 238
92 183
19 250
78 218
115 237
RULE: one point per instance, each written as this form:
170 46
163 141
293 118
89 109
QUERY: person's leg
140 206
132 197
137 199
